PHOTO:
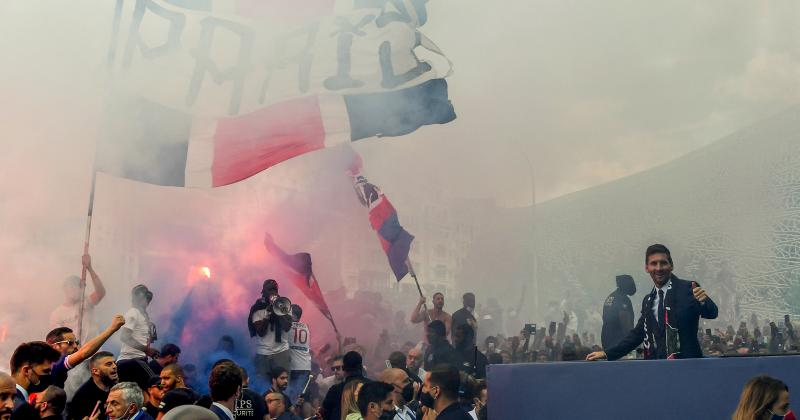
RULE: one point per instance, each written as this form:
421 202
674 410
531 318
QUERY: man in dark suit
225 384
618 312
670 314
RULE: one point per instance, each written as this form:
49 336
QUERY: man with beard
50 403
125 401
435 314
94 392
30 363
471 360
618 312
375 401
280 382
172 377
7 391
465 315
439 350
670 314
404 392
269 330
63 340
174 389
440 393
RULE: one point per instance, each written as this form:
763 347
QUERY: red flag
303 279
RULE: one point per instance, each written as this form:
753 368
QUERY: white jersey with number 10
299 340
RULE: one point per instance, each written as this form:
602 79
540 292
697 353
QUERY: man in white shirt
136 335
225 384
68 313
269 332
138 332
300 364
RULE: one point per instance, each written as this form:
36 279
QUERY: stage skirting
702 389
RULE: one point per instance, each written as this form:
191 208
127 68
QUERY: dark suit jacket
683 312
143 415
218 411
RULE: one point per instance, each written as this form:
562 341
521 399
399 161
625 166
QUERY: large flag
217 91
395 241
303 277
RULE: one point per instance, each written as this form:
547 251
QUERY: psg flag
207 93
303 279
395 240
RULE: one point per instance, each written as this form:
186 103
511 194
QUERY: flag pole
419 289
86 251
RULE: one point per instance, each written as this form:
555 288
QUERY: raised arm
92 346
99 290
416 314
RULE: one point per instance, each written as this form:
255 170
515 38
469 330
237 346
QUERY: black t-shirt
441 353
613 331
178 397
461 317
250 405
155 367
453 412
84 401
151 410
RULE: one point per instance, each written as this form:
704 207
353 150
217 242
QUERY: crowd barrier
701 389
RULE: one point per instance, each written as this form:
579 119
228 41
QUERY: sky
560 96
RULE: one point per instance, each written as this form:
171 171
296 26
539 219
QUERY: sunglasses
69 342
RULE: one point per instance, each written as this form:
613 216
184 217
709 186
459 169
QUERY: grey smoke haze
589 91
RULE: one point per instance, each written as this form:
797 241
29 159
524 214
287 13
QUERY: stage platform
702 389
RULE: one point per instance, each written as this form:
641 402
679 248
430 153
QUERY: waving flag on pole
395 240
211 92
303 278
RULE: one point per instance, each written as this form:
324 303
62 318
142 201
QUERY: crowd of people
429 365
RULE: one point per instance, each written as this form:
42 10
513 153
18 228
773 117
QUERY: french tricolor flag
152 143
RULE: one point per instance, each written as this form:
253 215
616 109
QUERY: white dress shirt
666 287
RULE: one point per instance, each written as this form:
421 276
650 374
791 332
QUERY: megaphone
281 305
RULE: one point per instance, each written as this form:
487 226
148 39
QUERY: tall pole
534 260
419 289
86 251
